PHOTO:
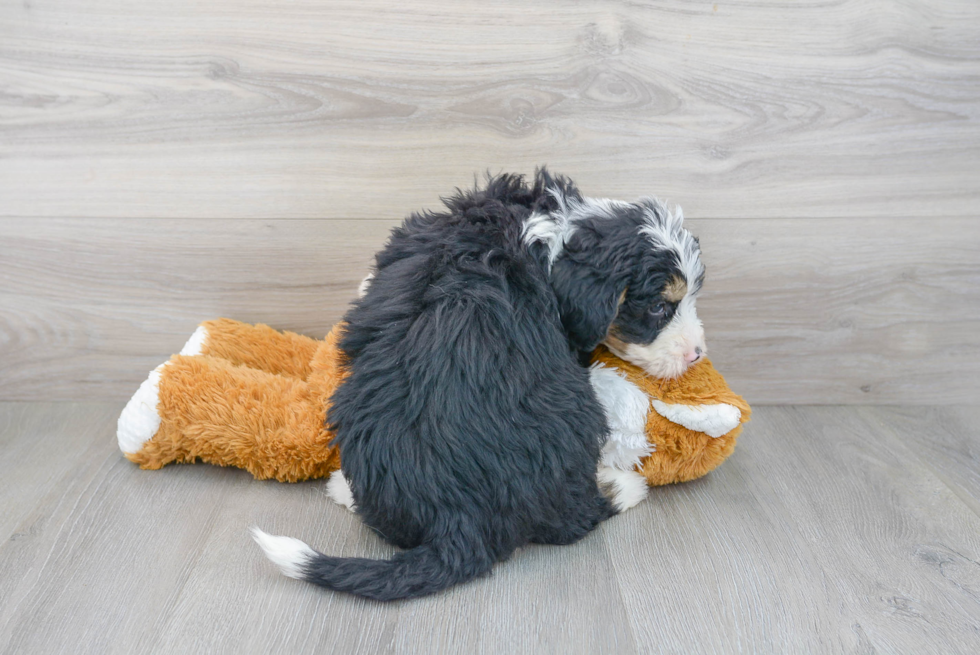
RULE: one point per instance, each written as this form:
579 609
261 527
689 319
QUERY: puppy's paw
339 490
624 489
140 419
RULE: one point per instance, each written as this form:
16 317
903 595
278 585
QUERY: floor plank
822 533
236 601
124 560
106 553
568 596
805 311
363 109
39 450
946 440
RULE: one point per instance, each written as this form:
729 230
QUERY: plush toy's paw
714 420
625 489
140 419
338 488
195 345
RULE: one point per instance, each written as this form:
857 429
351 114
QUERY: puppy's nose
693 355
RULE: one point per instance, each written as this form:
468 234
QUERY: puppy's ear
588 292
553 192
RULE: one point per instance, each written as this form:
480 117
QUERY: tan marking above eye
675 289
615 342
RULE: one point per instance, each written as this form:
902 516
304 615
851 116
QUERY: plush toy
251 397
692 422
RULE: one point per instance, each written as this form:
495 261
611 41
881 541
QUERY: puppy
467 425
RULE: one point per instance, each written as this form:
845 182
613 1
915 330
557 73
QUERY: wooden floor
831 529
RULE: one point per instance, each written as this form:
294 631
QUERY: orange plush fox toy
251 397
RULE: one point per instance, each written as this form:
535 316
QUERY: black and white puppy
467 425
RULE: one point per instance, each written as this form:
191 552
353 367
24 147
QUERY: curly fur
467 424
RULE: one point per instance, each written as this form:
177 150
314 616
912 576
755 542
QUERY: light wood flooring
831 529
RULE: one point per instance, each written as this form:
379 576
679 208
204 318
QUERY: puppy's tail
423 570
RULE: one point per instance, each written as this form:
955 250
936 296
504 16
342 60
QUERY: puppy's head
656 325
628 275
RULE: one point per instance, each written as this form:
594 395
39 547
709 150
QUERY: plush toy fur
251 397
680 452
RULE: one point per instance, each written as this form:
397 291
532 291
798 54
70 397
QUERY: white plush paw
627 488
714 420
195 345
338 489
140 419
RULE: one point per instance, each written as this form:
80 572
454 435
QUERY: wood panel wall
165 163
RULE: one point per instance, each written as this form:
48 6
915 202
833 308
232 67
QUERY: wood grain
165 163
366 109
844 311
40 450
130 561
824 532
566 596
85 301
947 441
796 310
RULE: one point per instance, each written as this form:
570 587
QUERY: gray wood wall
165 163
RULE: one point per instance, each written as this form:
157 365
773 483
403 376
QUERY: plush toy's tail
417 572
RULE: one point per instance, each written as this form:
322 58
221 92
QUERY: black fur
467 426
609 279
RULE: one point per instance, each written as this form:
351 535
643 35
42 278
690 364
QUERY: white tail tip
290 555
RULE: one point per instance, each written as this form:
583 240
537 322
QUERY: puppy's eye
659 309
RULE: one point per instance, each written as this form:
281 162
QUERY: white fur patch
714 420
556 228
140 420
629 487
626 407
290 555
665 229
195 345
665 356
365 284
338 489
549 230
